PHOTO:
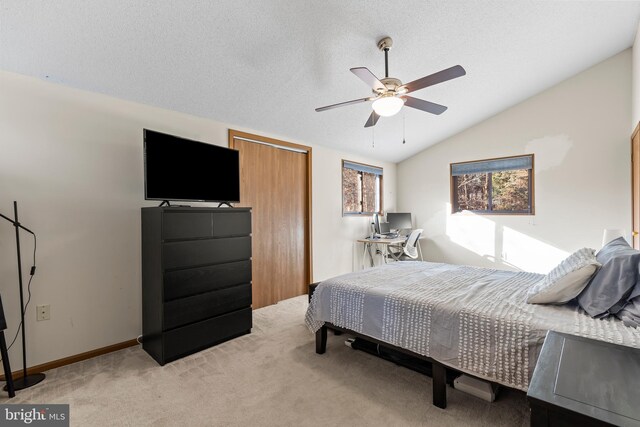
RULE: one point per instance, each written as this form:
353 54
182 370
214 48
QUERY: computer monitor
399 221
376 223
384 228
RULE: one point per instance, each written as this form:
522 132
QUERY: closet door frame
249 137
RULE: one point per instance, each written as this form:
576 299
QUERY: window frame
454 198
381 189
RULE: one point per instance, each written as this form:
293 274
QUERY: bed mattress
472 319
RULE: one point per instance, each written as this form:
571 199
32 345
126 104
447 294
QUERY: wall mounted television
184 170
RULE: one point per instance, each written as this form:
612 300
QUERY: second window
499 186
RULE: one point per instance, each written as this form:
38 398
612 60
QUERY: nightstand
579 381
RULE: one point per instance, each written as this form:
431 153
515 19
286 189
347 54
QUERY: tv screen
180 169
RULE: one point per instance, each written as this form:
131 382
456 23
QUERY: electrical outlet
43 312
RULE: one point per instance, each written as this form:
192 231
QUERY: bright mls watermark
34 415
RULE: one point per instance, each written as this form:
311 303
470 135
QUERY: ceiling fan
389 94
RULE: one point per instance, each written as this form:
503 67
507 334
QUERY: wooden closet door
635 185
274 184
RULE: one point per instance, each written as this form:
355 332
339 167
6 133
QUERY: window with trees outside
495 186
361 189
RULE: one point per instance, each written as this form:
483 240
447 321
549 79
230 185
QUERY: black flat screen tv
184 170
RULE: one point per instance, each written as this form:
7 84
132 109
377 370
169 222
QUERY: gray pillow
610 288
630 313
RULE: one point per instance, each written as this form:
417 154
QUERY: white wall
579 133
73 161
334 234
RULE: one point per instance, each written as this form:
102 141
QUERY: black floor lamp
27 380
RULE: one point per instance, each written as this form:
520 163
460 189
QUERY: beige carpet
270 377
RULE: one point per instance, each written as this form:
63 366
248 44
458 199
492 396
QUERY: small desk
582 382
384 251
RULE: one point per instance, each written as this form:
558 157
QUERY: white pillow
567 280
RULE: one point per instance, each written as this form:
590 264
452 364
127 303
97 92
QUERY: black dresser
196 278
582 382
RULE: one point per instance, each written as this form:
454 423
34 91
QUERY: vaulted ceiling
267 64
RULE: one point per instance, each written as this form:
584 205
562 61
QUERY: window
361 189
496 186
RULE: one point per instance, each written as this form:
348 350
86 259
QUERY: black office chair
5 355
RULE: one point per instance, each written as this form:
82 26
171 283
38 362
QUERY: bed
474 320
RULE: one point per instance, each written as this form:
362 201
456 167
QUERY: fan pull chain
373 137
404 127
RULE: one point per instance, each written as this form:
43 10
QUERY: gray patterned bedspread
472 319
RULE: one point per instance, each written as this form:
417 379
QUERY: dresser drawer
232 224
192 281
199 307
202 252
189 339
187 225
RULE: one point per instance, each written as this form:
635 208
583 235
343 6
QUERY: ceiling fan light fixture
387 106
389 94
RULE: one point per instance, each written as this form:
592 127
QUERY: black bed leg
439 385
321 340
5 363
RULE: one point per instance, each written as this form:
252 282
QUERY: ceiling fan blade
369 78
373 119
435 78
342 104
421 104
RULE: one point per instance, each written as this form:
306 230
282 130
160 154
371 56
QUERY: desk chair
410 249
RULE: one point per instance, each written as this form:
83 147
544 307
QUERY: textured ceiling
267 64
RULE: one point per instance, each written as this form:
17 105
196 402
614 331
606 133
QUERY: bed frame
439 375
